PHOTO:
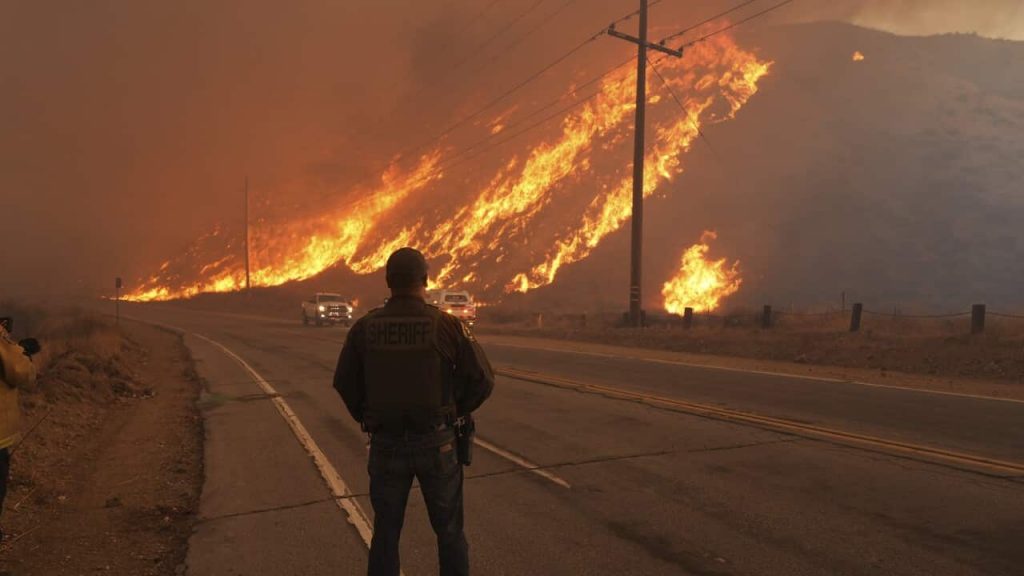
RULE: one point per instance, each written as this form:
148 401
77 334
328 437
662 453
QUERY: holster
465 430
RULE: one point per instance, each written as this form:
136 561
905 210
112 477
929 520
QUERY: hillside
895 179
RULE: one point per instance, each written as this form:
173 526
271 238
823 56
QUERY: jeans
430 458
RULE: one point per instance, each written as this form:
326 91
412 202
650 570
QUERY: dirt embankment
109 480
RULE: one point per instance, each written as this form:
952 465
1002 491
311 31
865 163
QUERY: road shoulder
264 508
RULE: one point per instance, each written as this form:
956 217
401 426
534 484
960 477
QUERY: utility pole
247 277
637 218
117 300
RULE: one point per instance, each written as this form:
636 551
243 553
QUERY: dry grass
113 450
939 347
83 356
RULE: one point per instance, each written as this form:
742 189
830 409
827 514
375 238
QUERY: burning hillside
548 205
877 164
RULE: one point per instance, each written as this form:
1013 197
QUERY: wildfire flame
700 284
858 56
734 80
516 196
480 232
302 249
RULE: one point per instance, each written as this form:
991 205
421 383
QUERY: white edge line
938 392
530 466
356 516
765 373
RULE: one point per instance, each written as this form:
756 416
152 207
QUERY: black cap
406 268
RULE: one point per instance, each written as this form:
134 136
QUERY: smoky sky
992 18
128 126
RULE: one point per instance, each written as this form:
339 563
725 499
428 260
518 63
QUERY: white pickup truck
458 303
327 308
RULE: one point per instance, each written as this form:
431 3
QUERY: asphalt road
624 486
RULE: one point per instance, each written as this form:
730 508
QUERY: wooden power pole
637 219
247 277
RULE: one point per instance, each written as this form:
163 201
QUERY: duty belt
410 431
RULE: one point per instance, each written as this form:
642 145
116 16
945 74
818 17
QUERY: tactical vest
407 379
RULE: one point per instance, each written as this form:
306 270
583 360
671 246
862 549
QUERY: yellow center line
930 453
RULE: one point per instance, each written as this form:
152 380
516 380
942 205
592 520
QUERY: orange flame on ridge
315 244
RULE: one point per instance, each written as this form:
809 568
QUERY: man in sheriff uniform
16 371
408 372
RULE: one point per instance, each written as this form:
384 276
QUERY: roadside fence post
687 317
977 318
855 314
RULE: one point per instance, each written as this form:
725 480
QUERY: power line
635 13
515 88
682 108
473 20
719 159
446 164
551 103
558 113
737 23
500 98
587 41
515 43
460 158
546 106
481 13
470 54
480 47
707 21
531 78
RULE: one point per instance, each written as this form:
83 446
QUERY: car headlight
322 307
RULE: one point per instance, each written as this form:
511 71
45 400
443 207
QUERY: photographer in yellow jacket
16 371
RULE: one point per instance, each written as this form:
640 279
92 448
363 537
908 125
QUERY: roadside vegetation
108 476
